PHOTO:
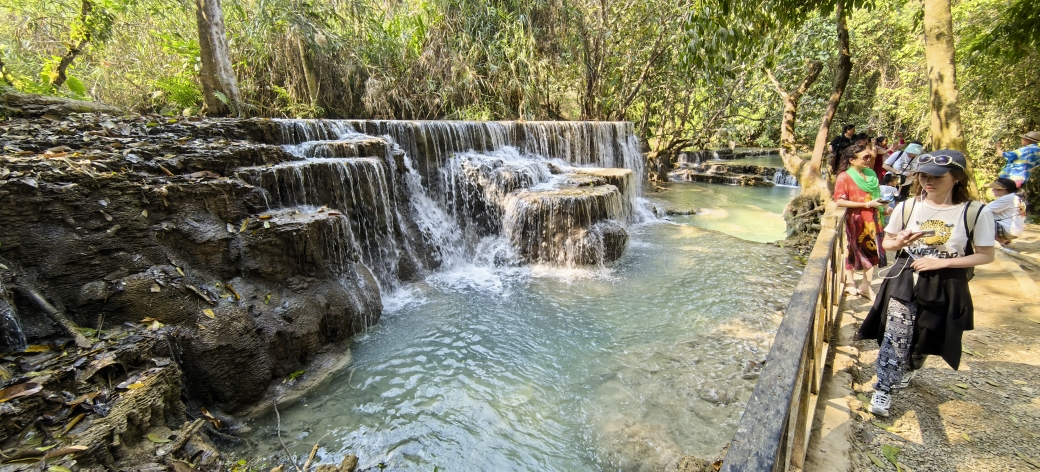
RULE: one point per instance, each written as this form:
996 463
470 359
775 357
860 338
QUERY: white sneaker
880 403
907 377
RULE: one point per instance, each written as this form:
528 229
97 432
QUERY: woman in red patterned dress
857 188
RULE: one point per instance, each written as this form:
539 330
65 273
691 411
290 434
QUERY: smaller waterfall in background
782 178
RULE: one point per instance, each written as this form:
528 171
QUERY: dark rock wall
146 220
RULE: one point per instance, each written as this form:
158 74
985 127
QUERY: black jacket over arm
944 308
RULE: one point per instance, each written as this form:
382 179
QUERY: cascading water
358 188
783 178
483 363
504 180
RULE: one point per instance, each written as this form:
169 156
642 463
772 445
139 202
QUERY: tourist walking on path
1009 213
924 306
900 163
1021 161
880 156
857 189
838 144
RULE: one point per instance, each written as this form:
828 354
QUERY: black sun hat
940 162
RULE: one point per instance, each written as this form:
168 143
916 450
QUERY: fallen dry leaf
18 391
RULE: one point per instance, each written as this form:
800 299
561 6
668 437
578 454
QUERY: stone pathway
984 417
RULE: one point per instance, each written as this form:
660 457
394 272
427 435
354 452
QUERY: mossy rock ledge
208 294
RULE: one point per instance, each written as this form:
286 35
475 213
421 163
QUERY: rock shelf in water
568 226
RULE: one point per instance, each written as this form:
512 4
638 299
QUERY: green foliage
1016 34
688 73
179 91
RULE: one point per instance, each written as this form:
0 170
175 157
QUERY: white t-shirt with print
1007 211
951 236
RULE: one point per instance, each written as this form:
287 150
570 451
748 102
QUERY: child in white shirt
889 191
1008 210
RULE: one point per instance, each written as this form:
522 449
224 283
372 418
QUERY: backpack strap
971 217
906 214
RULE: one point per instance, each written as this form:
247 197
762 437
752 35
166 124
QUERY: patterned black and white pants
894 355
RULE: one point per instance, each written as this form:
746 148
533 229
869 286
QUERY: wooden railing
774 431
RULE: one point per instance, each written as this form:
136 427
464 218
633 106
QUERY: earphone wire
906 261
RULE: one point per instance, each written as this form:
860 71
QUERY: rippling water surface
503 369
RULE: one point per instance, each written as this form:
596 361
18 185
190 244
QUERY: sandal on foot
866 292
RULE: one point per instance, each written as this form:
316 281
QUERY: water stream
521 367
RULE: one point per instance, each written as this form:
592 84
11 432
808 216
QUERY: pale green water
751 213
768 160
503 369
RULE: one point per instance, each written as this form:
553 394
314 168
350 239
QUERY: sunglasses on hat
938 159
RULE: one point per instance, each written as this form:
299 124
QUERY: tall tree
942 76
219 85
792 162
841 80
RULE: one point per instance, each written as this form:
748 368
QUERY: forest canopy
687 73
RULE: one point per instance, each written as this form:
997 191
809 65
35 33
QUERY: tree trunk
942 80
811 173
792 162
942 76
74 50
219 85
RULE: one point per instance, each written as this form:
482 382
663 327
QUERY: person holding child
924 306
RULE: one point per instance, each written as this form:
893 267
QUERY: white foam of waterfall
783 178
366 200
457 176
437 227
297 131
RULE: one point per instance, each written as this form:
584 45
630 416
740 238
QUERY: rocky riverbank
153 275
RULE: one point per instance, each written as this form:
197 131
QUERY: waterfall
433 193
358 189
783 178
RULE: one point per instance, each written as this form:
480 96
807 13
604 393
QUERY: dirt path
984 417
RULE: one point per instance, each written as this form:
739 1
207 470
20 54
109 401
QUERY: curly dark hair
849 154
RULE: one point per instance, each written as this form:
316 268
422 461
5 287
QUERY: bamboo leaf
875 460
156 439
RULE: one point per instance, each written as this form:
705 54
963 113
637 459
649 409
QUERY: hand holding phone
927 233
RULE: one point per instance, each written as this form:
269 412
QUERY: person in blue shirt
1021 161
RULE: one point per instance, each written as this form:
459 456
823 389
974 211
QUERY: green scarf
867 182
